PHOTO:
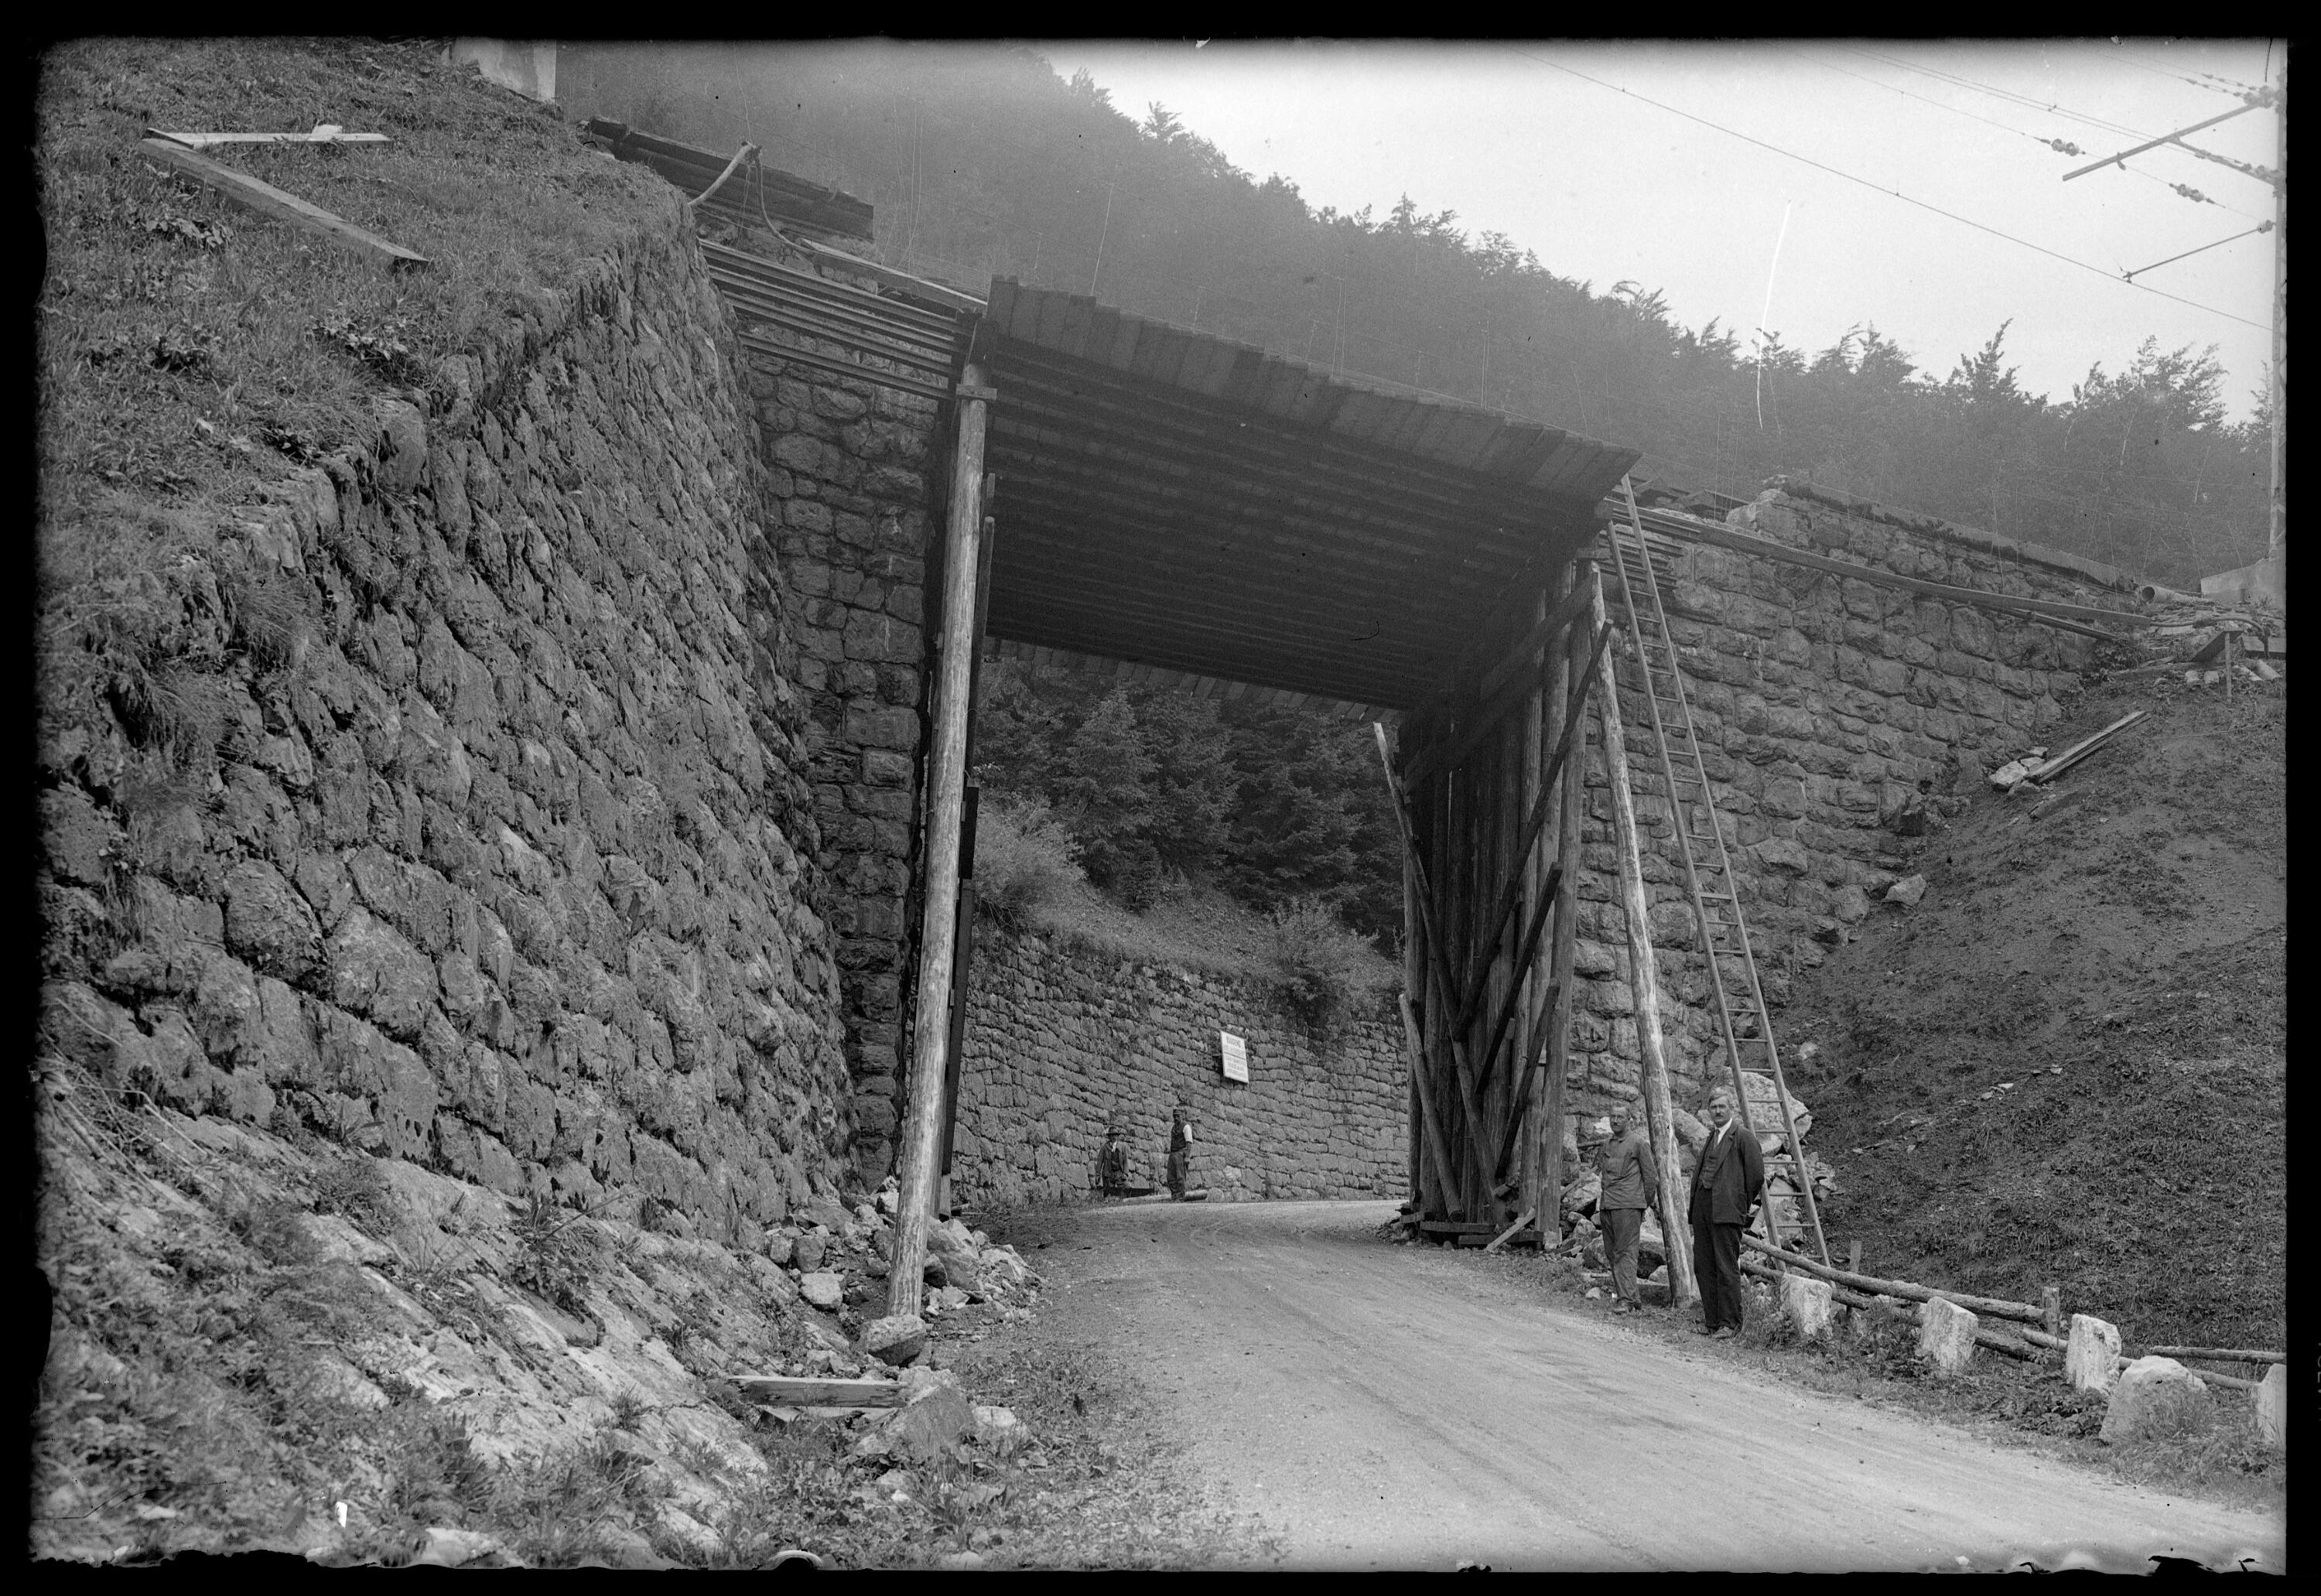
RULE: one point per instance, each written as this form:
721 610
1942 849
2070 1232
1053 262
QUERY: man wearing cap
1724 1192
1631 1183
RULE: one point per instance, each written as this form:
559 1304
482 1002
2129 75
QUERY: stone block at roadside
2091 1354
2272 1400
1811 1305
1945 1335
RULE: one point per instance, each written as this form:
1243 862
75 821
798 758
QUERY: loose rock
825 1292
896 1340
1810 1303
1906 891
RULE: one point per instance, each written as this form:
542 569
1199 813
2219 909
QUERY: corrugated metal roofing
1186 502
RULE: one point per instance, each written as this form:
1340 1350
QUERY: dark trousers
1179 1162
1621 1228
1716 1265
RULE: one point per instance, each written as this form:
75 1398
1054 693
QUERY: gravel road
1396 1407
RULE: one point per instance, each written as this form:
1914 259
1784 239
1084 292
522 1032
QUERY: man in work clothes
1180 1153
1724 1191
1630 1183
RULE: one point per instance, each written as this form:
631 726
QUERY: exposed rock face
515 868
1059 1039
2156 1398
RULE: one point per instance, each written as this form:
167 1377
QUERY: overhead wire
2061 146
1892 193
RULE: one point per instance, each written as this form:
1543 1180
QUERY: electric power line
1892 193
2052 108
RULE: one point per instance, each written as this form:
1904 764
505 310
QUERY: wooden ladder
1742 1018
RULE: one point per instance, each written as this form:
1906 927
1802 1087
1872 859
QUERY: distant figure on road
1631 1183
1180 1151
1724 1192
1115 1158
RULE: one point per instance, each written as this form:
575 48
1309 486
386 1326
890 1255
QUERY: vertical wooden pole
963 960
1446 1204
1644 974
1526 1099
946 785
1411 966
1572 788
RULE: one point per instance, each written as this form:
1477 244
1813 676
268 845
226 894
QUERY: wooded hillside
985 163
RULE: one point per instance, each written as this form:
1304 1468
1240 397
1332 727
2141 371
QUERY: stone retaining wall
849 465
1825 706
1060 1037
504 860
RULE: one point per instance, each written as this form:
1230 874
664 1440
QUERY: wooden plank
325 134
796 1390
2082 748
267 200
1504 1237
1995 1307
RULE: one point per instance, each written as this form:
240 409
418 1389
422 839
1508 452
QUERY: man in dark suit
1724 1192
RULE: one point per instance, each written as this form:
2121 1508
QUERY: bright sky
1605 186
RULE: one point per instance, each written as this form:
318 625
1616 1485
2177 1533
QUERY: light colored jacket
1631 1179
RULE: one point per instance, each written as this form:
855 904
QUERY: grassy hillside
2068 1063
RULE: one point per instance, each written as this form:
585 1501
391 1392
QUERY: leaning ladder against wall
1736 993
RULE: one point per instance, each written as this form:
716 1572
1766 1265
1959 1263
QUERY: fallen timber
2029 1348
1988 1307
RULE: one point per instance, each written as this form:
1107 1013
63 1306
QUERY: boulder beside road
2154 1397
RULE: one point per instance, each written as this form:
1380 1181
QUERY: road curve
1395 1407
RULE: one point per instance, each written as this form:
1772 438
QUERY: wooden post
1446 1198
1570 789
963 960
1853 1256
939 924
2050 1299
1644 974
1535 974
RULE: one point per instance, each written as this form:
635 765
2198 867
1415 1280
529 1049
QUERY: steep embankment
2067 1064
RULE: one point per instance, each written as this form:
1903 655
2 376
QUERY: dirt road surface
1395 1407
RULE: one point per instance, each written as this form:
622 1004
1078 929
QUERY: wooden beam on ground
792 1390
2084 747
325 134
1643 972
1500 1240
267 200
1992 1307
946 781
2213 1355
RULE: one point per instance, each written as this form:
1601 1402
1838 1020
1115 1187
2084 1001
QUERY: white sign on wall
1234 1051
